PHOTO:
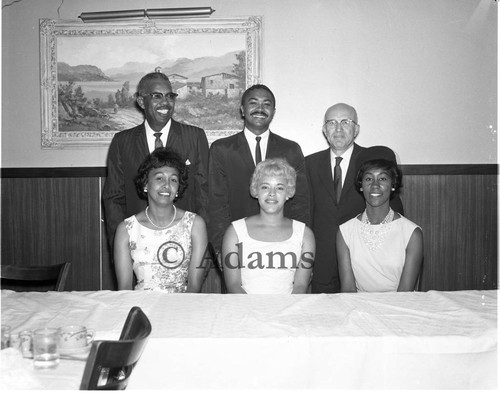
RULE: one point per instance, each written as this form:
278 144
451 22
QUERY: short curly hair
161 157
389 166
142 85
258 86
274 167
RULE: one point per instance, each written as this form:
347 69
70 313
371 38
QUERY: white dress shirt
252 142
151 138
344 164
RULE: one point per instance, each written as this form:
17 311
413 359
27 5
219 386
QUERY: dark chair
215 260
34 278
110 363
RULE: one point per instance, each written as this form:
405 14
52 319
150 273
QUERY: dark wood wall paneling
51 215
52 220
458 216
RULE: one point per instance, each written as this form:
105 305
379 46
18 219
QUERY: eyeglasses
159 96
345 123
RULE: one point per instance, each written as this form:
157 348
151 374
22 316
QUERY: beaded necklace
374 235
168 225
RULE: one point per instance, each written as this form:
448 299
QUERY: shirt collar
346 156
251 136
150 131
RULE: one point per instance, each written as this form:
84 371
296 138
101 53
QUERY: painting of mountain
192 69
92 98
89 86
83 72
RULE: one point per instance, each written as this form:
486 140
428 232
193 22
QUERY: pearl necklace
387 219
375 235
168 225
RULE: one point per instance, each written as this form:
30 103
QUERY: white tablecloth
438 340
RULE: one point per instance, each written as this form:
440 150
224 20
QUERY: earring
145 190
176 194
393 189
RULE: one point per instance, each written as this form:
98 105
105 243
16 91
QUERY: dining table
203 342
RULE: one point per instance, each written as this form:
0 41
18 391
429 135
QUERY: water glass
5 336
26 345
45 348
15 341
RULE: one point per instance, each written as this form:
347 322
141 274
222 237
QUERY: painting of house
194 88
177 78
223 84
88 88
180 88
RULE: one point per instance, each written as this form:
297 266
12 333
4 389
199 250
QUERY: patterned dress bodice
161 257
377 266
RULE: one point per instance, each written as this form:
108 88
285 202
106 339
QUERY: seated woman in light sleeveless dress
163 246
269 253
379 250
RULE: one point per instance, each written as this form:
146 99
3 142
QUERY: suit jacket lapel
243 150
173 133
272 146
142 142
325 173
351 171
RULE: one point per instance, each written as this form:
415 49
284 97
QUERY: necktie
258 154
158 143
337 179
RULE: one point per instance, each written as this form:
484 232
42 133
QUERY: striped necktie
158 143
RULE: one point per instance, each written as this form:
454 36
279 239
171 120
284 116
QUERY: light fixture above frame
157 13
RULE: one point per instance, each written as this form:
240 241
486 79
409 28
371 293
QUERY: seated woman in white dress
379 250
268 253
163 246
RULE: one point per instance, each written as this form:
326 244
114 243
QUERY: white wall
421 73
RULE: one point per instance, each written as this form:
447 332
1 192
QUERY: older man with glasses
130 147
334 198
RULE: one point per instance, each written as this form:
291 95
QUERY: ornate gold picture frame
89 74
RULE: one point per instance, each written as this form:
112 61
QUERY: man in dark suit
232 162
334 198
130 147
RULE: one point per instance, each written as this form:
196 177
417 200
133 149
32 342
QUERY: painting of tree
97 68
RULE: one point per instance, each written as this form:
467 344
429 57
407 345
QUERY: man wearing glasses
130 147
334 198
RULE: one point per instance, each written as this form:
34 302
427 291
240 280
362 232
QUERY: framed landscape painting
89 74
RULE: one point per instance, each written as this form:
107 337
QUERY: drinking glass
26 346
45 348
15 341
5 336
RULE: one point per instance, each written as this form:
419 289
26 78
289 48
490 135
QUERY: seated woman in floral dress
163 245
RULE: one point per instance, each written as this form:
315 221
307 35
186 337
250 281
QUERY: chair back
110 363
34 278
136 326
